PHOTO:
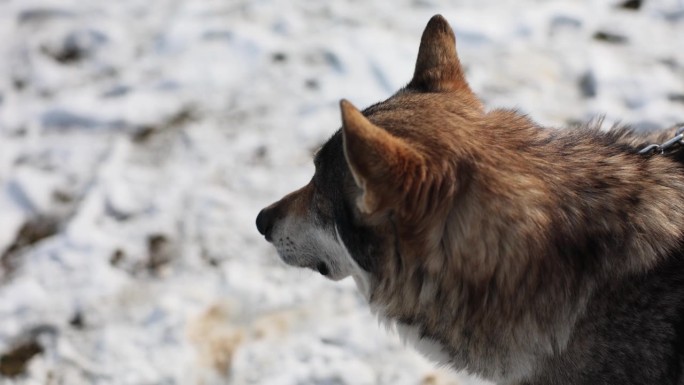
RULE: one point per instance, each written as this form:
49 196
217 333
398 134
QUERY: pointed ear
438 68
383 166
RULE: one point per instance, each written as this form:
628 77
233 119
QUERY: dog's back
632 332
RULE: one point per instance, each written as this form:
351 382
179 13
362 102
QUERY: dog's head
388 167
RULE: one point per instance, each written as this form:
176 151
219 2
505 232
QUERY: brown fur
477 250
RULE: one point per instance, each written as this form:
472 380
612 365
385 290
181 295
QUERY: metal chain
660 148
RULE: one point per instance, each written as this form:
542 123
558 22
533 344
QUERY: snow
152 133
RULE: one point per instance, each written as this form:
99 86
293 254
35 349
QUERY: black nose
264 223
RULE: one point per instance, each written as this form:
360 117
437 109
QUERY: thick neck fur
537 218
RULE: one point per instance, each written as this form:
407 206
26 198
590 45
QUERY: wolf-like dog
518 253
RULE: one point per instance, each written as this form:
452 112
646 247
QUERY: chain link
660 148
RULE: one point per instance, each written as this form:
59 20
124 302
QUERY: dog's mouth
322 268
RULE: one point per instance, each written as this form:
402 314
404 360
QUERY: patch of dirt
160 253
182 117
632 5
13 363
609 37
117 257
222 329
33 231
217 338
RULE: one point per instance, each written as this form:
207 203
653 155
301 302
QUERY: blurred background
140 138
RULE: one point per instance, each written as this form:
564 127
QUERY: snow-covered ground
139 139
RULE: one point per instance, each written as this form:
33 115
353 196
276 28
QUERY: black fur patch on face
334 181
